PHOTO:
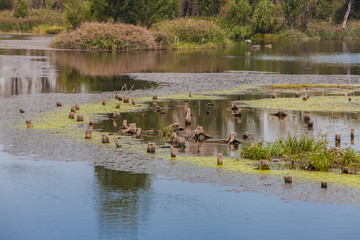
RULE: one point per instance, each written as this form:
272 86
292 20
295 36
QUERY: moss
325 103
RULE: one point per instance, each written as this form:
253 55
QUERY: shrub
76 12
265 20
21 8
188 32
106 36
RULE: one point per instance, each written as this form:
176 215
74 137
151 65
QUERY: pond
60 188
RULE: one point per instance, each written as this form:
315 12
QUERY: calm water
45 199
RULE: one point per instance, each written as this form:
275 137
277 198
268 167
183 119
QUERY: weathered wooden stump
124 124
280 114
273 95
219 159
90 120
88 134
237 113
246 135
105 138
181 141
114 123
234 107
126 99
345 170
58 104
73 109
118 105
77 106
323 184
117 142
260 142
307 118
189 94
132 101
71 115
349 99
188 117
29 124
80 118
337 138
310 125
22 110
305 98
103 101
138 133
155 97
115 113
308 96
288 179
117 96
151 147
120 98
352 134
297 95
264 165
232 139
172 151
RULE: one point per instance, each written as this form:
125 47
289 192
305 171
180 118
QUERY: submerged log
22 110
172 151
264 165
219 159
288 179
88 134
280 114
104 101
29 124
58 104
105 138
71 115
151 147
80 118
117 142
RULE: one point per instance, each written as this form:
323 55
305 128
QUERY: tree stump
352 134
22 110
345 170
246 135
288 179
349 99
307 118
124 124
90 121
132 101
323 184
189 94
71 115
115 113
188 117
126 99
88 134
105 138
181 142
280 114
29 124
77 106
219 159
117 96
118 105
138 133
120 98
173 152
151 147
232 139
237 113
80 118
260 142
264 165
155 97
117 142
297 95
104 101
114 123
273 95
337 138
305 98
73 109
58 104
199 135
310 125
234 107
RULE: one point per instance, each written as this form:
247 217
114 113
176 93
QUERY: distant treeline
238 18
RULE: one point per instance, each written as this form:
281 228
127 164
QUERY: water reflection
123 202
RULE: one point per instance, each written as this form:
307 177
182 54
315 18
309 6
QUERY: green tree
21 8
239 12
76 12
5 5
264 18
208 7
292 10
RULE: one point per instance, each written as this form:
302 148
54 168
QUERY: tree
238 12
264 18
76 12
292 11
5 5
21 8
208 7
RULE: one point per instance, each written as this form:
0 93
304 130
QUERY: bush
21 8
264 19
76 12
187 32
106 36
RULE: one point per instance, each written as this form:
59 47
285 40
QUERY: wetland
61 181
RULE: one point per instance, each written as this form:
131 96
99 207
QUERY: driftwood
232 139
264 165
307 118
124 124
133 101
117 142
280 114
114 123
198 135
288 179
305 98
189 94
117 96
297 95
310 125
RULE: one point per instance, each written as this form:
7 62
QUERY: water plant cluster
304 152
